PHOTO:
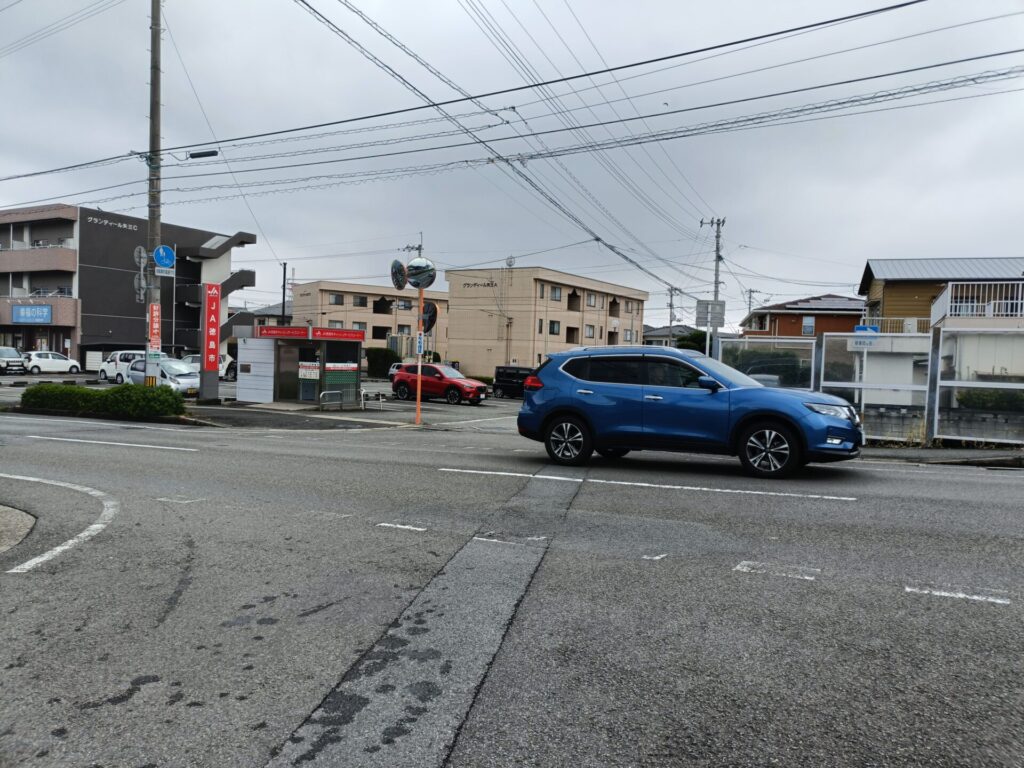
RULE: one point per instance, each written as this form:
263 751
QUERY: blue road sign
163 256
866 329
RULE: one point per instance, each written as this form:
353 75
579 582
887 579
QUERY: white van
115 367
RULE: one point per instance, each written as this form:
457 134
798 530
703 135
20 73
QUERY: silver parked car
173 373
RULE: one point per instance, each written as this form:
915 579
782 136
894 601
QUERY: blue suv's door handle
584 391
653 397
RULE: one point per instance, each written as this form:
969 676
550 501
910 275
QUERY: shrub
59 397
991 399
379 360
141 402
126 400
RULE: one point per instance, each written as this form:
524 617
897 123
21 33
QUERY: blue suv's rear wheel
568 441
768 449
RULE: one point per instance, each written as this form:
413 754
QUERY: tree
693 340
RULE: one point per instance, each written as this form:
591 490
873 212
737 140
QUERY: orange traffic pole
419 361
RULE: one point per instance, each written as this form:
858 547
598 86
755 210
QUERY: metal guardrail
338 401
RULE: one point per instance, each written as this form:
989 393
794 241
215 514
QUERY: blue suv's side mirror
706 382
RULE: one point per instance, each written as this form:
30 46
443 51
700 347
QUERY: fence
963 384
772 361
980 387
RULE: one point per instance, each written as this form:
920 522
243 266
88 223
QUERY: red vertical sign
211 327
154 326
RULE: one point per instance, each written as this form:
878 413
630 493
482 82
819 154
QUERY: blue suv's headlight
838 411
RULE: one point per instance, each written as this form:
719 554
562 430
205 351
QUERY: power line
65 22
501 92
782 116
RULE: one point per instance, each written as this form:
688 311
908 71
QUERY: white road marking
403 527
536 538
110 509
705 489
653 557
180 501
474 421
496 541
700 488
95 423
106 442
789 571
960 595
510 474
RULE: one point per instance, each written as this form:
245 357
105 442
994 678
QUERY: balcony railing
986 300
54 242
898 324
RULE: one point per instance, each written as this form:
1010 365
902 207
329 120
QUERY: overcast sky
805 203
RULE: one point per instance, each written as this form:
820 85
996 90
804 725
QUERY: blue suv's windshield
726 372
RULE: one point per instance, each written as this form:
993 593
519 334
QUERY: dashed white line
403 527
106 442
653 557
960 595
789 571
497 541
179 501
698 488
110 509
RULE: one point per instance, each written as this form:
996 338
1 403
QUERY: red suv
438 381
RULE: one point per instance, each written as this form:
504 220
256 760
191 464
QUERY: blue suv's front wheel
768 449
568 441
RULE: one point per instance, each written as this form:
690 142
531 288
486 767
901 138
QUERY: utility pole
284 286
153 161
717 224
671 318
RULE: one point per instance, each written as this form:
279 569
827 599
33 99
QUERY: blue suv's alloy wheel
568 441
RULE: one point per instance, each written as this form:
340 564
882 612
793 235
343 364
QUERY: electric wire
516 89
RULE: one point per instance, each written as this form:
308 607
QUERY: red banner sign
211 327
154 325
298 332
338 334
281 332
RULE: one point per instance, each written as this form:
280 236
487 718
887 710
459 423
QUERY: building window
359 326
629 307
335 323
602 301
540 290
554 328
337 299
404 330
540 325
381 332
807 329
627 334
261 321
588 330
591 299
358 301
556 293
405 303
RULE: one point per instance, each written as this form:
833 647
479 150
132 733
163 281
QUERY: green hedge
991 399
125 400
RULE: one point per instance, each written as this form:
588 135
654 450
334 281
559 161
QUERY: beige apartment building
517 316
380 311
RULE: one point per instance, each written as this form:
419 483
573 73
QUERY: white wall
256 383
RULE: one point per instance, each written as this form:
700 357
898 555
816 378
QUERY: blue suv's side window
662 372
616 370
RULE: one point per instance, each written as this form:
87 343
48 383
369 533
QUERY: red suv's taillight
532 382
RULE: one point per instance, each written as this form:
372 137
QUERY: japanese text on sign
211 327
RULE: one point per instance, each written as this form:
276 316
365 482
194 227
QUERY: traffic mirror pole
419 360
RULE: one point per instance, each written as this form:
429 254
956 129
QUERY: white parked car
226 369
173 373
115 367
50 362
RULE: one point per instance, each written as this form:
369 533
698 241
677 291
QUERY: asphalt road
395 597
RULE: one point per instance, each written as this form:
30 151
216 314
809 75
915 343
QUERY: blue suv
614 400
